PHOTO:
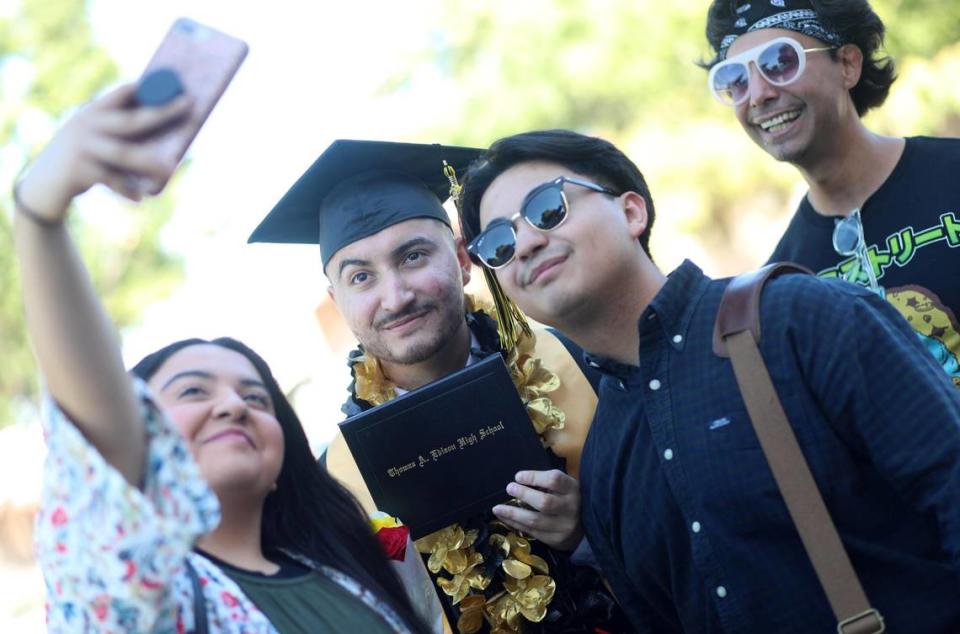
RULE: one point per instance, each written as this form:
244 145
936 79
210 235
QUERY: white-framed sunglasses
848 241
780 61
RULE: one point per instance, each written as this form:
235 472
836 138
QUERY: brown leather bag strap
737 334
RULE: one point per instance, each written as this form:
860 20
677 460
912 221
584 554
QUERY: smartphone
203 61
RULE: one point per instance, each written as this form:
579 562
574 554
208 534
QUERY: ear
635 212
463 259
850 58
332 294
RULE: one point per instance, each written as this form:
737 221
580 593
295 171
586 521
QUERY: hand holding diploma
555 500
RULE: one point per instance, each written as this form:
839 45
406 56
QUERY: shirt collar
668 315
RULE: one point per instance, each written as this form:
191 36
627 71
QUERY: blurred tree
50 63
585 64
625 70
919 28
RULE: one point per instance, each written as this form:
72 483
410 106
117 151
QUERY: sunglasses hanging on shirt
848 240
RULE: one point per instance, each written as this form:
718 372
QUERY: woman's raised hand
101 143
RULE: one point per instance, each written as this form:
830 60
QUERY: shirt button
677 338
620 383
654 385
594 364
696 527
668 454
721 592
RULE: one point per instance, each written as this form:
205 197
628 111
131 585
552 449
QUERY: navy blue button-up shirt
682 509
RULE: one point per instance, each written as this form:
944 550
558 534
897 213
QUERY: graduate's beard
429 340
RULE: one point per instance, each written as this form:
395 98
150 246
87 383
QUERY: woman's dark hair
309 513
585 155
853 20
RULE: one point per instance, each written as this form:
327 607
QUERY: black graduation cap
358 188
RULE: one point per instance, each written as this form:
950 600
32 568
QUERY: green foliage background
50 41
625 70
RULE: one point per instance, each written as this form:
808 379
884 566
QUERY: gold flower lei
528 587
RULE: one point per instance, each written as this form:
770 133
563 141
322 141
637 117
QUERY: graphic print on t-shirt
935 322
900 248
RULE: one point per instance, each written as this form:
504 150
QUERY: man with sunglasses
397 272
882 212
679 503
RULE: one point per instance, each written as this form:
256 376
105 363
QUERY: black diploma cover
445 452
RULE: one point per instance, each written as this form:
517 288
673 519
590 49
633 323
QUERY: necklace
490 569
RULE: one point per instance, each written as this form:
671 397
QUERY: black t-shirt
912 229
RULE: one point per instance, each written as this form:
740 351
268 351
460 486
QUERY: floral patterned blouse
113 556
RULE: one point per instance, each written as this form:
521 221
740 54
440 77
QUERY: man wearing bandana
880 211
397 275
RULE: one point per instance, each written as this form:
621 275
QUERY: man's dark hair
585 155
853 20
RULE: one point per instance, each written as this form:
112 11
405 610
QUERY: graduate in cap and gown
397 272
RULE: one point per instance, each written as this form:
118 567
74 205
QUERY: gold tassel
512 323
455 188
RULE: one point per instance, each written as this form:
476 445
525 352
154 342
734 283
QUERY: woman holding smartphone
184 497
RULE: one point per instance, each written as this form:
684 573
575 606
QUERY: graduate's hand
99 144
555 496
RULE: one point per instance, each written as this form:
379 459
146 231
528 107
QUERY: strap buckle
868 622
